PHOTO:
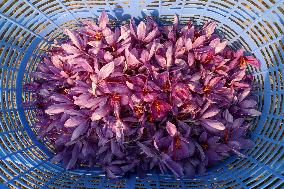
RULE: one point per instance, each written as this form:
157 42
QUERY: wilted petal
133 28
243 95
169 54
190 59
193 86
57 108
213 124
201 151
144 56
100 112
251 112
108 56
56 62
228 116
248 104
188 44
210 113
214 81
118 61
141 31
145 149
74 121
203 137
70 49
171 128
220 47
103 20
82 100
105 71
172 165
60 98
84 63
199 41
176 21
191 148
81 129
240 85
161 60
151 35
75 40
116 149
238 76
152 50
132 60
210 28
75 153
179 44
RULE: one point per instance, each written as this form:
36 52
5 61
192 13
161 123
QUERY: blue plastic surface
29 27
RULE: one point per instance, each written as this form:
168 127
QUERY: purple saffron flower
140 97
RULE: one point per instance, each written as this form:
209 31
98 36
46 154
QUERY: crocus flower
234 136
140 97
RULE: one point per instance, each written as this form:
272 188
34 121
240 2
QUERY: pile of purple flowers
136 98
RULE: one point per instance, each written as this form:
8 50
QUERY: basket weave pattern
29 27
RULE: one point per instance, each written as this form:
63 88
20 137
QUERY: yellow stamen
138 110
66 91
243 62
177 142
157 106
98 36
205 146
206 88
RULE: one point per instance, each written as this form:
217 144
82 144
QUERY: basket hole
14 166
8 143
264 53
3 173
41 175
8 169
16 144
3 122
11 4
274 184
20 184
34 180
251 180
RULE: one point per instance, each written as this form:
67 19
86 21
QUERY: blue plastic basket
29 27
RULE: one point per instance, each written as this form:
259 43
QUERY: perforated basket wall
29 27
